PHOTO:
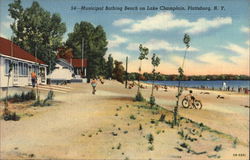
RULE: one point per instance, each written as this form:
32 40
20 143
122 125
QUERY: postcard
124 79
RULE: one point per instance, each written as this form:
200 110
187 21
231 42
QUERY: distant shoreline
239 86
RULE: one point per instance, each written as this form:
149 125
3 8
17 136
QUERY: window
15 68
7 66
25 69
33 68
20 65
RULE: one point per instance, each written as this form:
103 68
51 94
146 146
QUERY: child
93 84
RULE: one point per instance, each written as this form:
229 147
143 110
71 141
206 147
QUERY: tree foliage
143 55
94 46
36 30
155 61
65 53
110 66
118 72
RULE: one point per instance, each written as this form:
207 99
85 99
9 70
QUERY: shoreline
243 91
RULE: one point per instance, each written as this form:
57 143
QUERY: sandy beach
110 125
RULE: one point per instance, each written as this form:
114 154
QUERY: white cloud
245 29
117 40
123 21
155 44
209 63
210 57
202 24
237 49
166 21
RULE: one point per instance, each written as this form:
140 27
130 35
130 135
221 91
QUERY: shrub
119 146
139 97
150 138
50 95
235 141
43 103
31 95
140 127
132 117
218 148
7 115
152 101
151 148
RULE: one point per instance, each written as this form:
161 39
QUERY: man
191 98
33 79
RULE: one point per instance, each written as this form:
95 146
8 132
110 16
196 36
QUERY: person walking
33 79
93 84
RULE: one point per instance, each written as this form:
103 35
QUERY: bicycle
186 103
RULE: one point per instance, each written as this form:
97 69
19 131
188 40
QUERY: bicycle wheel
197 104
185 103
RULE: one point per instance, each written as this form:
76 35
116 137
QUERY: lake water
206 84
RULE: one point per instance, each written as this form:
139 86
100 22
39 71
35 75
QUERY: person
224 87
93 84
165 88
190 97
33 79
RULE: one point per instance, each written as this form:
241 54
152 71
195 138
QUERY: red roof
78 63
5 49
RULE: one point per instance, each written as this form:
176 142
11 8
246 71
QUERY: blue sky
219 38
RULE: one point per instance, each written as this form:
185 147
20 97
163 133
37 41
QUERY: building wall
16 79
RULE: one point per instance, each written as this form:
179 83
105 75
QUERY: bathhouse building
23 64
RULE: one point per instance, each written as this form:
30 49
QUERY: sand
81 125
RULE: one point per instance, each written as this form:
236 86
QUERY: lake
206 84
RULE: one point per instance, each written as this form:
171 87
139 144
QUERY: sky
219 31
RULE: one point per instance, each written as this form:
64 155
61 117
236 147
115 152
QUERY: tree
155 60
143 55
186 41
65 53
103 67
94 46
110 66
118 72
11 64
36 30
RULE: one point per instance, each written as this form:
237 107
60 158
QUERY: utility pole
126 82
82 54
